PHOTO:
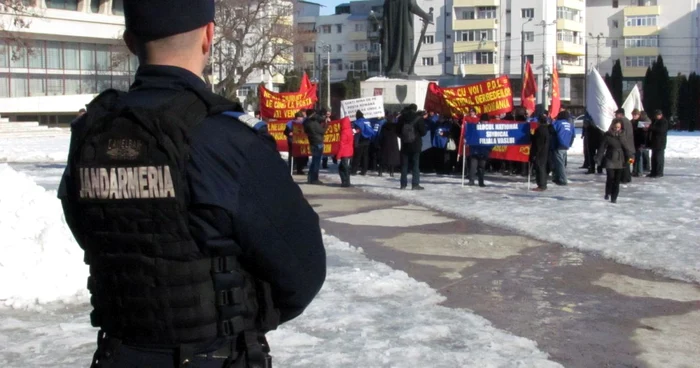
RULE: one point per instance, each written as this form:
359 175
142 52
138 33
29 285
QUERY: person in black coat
641 123
539 152
595 139
315 128
412 129
618 156
658 133
389 147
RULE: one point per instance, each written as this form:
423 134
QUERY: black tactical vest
128 200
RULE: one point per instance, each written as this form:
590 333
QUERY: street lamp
327 48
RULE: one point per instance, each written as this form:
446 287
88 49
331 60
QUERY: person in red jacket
345 152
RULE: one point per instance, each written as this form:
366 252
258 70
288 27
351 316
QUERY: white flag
633 101
599 102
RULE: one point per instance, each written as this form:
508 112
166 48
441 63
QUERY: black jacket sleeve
421 127
274 231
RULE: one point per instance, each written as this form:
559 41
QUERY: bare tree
252 36
16 15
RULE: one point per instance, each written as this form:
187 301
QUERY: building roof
311 3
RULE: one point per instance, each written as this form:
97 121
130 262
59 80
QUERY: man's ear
208 39
131 42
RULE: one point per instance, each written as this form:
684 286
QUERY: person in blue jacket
364 136
565 132
440 137
477 158
374 147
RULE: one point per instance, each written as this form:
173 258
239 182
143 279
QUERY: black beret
154 19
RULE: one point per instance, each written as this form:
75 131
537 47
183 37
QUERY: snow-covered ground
366 315
680 145
655 224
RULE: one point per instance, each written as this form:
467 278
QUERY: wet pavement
585 311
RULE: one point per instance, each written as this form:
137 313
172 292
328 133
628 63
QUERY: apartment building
69 50
637 31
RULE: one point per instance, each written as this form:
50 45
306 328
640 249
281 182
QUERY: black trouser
361 158
413 160
612 185
586 153
375 154
442 161
541 173
344 171
477 166
324 162
657 162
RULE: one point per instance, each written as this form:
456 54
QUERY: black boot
480 174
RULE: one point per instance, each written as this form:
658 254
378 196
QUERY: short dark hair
484 117
359 115
299 115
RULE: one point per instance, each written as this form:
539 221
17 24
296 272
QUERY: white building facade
637 31
69 51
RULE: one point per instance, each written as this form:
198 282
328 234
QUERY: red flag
305 83
529 91
556 98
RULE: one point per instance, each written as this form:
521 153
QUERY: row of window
642 21
328 28
117 5
633 42
26 85
569 13
570 36
639 61
57 55
481 12
476 35
475 58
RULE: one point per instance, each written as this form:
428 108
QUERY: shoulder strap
246 119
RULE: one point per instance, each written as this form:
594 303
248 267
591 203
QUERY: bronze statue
398 57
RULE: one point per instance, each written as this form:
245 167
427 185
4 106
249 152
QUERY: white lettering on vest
126 183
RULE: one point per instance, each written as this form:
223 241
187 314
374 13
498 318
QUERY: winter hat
359 115
620 111
155 19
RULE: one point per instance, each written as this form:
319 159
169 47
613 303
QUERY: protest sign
493 97
502 133
331 141
371 107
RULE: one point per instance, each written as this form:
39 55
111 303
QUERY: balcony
357 36
309 57
570 25
641 31
634 71
357 55
477 69
472 3
641 51
373 35
631 11
570 48
573 4
468 46
572 69
468 24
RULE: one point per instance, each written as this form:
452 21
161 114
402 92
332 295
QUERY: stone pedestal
397 92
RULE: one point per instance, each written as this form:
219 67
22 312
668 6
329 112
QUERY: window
641 21
37 85
243 91
54 85
570 36
54 55
484 57
360 46
529 36
615 3
428 61
639 61
339 48
339 28
429 39
633 42
62 4
613 44
471 58
308 49
4 85
570 14
95 6
103 57
71 55
36 55
448 59
4 55
326 28
465 13
118 7
527 13
531 58
87 56
19 86
359 27
475 35
486 12
616 24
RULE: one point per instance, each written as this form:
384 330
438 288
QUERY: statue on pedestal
398 57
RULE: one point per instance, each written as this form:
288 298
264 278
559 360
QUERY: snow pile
680 145
39 259
369 315
366 315
35 149
654 225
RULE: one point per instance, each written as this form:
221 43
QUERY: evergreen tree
693 101
676 84
684 102
608 82
616 83
649 94
663 86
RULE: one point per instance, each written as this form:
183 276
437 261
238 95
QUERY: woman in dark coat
389 147
539 152
617 154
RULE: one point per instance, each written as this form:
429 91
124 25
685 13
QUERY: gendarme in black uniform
197 238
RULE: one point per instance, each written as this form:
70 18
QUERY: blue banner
499 133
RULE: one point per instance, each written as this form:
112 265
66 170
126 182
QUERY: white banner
633 101
371 107
599 102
